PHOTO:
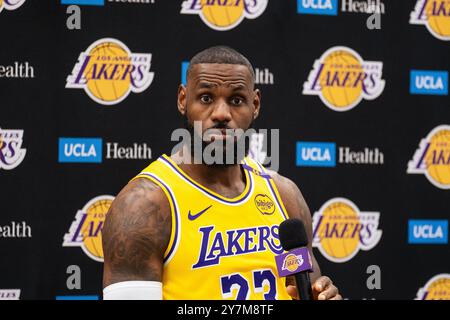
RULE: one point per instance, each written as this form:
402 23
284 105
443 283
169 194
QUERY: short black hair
222 55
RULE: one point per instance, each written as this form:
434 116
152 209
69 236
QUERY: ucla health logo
435 15
428 231
437 288
10 4
320 7
11 151
108 71
80 150
330 7
432 158
341 230
86 230
84 2
326 154
341 78
429 82
316 154
224 15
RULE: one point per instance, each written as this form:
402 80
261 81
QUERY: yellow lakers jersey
220 248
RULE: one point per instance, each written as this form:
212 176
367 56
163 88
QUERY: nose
221 112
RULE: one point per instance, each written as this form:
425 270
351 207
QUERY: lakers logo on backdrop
86 229
435 15
437 288
10 4
432 158
108 71
224 15
341 230
11 151
341 78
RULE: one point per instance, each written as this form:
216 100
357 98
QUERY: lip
215 137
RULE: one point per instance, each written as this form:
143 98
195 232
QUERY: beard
224 152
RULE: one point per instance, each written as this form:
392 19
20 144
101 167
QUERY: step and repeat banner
357 88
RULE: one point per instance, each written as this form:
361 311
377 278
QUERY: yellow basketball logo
10 4
292 262
437 288
264 204
86 229
432 158
108 71
341 78
341 230
226 14
435 15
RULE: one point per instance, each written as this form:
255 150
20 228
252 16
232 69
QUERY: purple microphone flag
294 261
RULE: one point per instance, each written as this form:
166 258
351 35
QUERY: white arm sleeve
133 290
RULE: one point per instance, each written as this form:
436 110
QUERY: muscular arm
136 234
322 286
296 208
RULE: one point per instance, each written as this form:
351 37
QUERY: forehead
221 74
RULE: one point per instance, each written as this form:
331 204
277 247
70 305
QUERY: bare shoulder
296 207
292 198
136 233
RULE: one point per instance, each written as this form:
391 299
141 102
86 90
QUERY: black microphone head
293 234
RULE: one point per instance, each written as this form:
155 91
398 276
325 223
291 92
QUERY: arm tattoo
136 234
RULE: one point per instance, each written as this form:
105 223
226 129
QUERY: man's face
220 96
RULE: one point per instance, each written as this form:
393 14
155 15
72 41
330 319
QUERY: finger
292 291
322 283
328 293
337 297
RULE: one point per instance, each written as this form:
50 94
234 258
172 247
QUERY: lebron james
188 229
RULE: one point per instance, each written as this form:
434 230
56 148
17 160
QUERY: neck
220 178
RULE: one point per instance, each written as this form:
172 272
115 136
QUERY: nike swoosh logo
192 217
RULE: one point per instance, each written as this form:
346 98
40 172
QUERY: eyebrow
237 87
206 85
211 85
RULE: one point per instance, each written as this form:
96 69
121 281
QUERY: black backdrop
47 194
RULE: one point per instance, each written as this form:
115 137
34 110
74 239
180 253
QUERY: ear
181 101
256 103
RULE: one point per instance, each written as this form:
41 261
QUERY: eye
205 98
237 101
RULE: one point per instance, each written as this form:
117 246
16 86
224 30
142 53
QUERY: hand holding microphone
297 261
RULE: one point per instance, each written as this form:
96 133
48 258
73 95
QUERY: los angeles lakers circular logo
437 288
292 262
86 229
108 71
11 151
10 4
435 15
341 78
432 158
224 15
341 230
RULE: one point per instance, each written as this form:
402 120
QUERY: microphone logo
296 260
292 262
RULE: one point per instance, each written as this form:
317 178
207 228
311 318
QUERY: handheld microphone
297 261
